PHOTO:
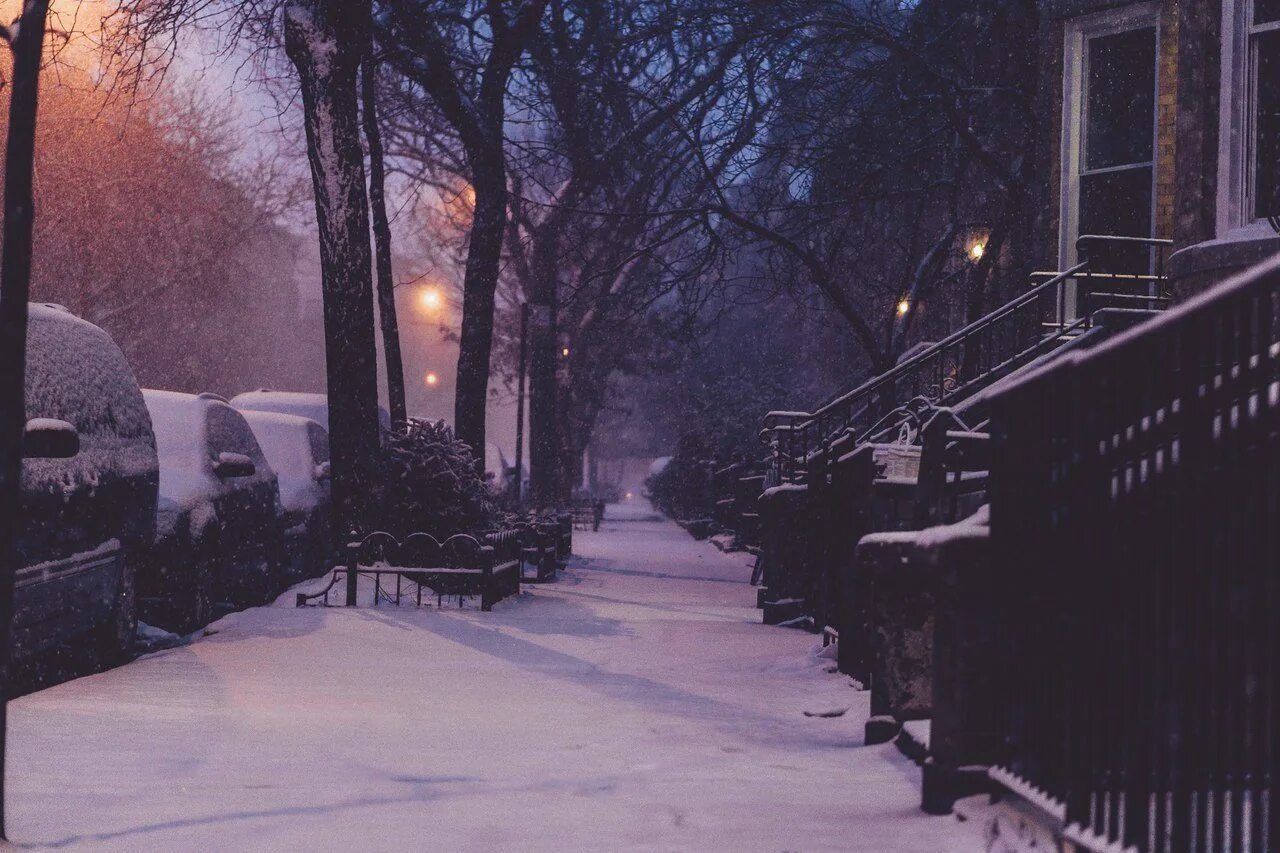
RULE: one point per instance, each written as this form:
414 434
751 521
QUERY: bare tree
26 36
382 242
326 40
895 138
461 56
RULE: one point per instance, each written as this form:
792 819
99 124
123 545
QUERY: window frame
1237 127
1076 35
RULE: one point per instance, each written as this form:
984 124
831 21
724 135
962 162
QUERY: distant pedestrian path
635 703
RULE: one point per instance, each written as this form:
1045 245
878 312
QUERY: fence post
353 575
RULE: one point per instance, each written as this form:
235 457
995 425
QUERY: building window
1249 129
1264 110
1110 105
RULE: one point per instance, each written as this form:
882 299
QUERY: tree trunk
546 482
386 285
326 41
484 256
15 283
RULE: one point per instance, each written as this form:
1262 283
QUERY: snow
635 703
659 465
183 441
286 442
76 373
299 403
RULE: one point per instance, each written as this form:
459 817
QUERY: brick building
1165 122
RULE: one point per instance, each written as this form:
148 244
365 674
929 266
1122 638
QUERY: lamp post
524 341
27 39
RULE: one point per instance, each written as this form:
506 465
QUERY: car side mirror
230 465
322 471
48 438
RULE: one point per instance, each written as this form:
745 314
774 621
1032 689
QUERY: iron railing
1033 323
1135 519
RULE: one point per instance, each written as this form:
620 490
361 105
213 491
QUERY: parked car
88 490
298 451
218 542
302 404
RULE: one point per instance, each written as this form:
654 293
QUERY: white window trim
1078 31
1235 220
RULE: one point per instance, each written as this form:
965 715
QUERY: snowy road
636 703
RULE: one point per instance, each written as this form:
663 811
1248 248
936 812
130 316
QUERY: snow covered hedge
432 484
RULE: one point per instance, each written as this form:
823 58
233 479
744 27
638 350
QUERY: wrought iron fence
1135 514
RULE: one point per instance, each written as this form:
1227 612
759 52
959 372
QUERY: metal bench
587 514
539 548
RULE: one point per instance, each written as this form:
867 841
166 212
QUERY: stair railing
1134 496
936 373
1029 325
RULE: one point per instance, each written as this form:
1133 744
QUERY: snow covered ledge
922 601
1199 267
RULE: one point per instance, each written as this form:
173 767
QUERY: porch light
904 306
564 352
976 251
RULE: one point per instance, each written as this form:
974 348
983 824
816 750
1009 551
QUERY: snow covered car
297 449
218 540
88 490
302 404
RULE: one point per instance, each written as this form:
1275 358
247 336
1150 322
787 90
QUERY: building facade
1165 122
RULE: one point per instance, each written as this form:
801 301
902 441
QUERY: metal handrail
905 367
790 434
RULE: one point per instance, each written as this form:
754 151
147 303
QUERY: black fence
1135 519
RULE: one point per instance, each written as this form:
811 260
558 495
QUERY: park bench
539 549
459 566
587 513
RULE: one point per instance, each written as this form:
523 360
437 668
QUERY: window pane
1118 204
1265 11
1121 99
1266 186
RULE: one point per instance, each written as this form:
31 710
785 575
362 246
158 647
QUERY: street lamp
524 347
430 299
904 305
432 379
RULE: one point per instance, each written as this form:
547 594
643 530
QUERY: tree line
634 170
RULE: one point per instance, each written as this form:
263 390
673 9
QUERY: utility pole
524 341
26 38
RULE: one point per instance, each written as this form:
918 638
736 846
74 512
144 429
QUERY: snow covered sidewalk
636 703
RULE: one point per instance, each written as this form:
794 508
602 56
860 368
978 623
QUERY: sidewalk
636 703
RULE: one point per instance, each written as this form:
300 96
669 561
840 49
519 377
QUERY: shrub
682 489
431 483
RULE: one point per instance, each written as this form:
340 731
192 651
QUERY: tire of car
113 640
195 603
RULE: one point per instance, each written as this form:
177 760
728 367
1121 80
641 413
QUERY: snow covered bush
431 483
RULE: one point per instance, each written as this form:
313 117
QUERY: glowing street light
564 352
904 306
976 251
430 299
432 379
